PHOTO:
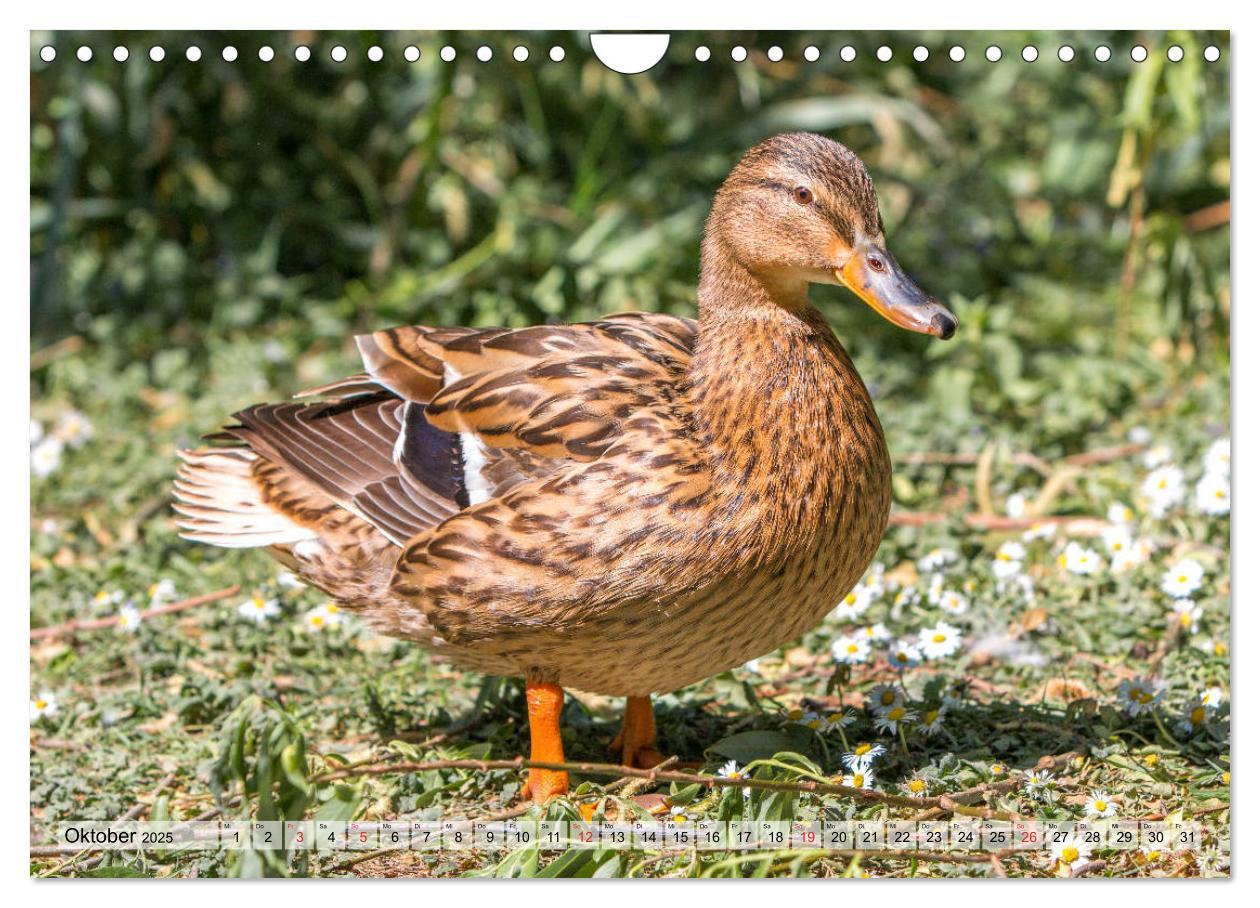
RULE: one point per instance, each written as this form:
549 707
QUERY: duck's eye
802 195
876 263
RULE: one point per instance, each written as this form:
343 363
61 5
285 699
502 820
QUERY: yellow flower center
1100 806
1071 853
1186 619
888 697
861 749
1151 759
918 786
850 599
896 713
1182 578
930 716
1197 715
859 780
317 620
997 769
1135 693
853 648
938 638
1002 556
1220 493
41 704
1162 484
1225 777
333 608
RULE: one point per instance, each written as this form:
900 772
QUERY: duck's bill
889 292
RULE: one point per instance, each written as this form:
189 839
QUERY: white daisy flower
1116 538
1156 455
44 706
859 778
954 602
258 609
1120 514
851 607
1164 488
74 429
876 633
1140 435
863 756
1009 560
46 457
883 696
162 591
678 814
1216 458
107 597
895 717
851 649
932 721
1125 560
904 655
289 580
1138 696
1187 615
906 597
937 559
1183 578
753 665
936 586
1074 853
1211 698
842 719
325 616
1016 505
1044 529
1079 559
1100 805
940 640
1211 494
1040 786
129 618
1193 717
730 770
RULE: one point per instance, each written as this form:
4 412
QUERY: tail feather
220 503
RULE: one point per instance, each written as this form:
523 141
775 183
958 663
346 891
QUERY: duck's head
800 208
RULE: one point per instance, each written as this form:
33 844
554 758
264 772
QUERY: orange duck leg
635 744
544 702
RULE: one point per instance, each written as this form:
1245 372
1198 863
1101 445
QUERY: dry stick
1171 634
70 627
957 802
1072 524
978 792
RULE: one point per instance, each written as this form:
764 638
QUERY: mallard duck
625 506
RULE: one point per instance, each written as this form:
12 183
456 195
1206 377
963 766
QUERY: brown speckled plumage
625 506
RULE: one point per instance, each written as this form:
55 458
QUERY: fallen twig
70 627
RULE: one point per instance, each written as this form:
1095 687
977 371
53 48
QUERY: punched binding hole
848 54
703 54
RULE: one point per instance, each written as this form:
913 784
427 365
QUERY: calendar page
682 453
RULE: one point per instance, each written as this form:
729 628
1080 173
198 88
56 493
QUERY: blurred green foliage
216 195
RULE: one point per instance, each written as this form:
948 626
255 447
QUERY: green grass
135 707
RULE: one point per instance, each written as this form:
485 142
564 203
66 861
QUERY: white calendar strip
650 835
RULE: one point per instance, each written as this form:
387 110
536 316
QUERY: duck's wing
441 419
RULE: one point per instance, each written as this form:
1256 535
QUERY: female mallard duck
625 506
